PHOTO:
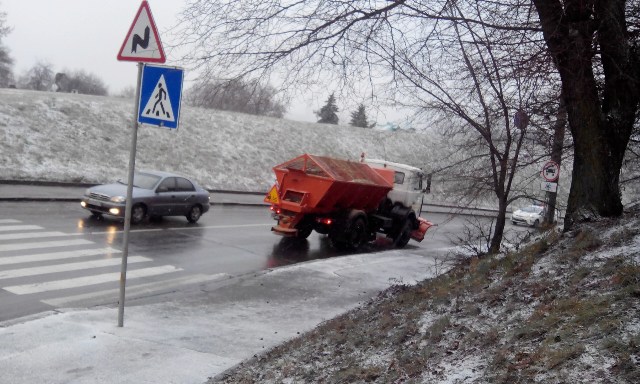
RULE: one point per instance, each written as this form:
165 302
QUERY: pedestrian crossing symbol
160 94
159 105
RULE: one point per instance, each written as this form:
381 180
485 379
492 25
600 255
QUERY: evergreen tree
359 118
327 114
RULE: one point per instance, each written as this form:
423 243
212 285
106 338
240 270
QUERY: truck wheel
304 232
403 237
357 234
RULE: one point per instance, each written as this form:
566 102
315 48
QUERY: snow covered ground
80 138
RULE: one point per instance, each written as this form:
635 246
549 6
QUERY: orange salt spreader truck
349 201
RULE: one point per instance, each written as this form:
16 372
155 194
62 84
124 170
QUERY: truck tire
403 236
357 234
304 232
353 236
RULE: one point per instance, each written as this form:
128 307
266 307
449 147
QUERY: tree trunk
498 233
600 127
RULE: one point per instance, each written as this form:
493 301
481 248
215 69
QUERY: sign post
140 45
550 173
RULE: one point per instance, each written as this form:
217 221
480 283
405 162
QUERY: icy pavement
201 333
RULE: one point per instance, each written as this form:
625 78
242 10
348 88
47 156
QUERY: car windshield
532 209
143 180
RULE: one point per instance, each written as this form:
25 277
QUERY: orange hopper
321 185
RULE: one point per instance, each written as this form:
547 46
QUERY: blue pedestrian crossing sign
160 96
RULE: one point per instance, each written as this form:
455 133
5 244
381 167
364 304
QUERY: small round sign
550 171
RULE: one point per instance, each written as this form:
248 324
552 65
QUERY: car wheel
138 213
536 223
194 214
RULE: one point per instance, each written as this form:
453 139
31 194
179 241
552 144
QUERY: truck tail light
275 209
325 220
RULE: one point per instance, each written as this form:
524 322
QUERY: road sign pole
128 206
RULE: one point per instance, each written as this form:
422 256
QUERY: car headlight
118 199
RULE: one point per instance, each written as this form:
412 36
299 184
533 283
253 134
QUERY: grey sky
79 34
88 34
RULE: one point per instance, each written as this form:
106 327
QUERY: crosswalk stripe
43 244
112 294
9 221
88 280
57 255
31 235
68 267
19 227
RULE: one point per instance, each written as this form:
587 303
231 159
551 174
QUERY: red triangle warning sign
142 43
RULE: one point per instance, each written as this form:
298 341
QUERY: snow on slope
80 138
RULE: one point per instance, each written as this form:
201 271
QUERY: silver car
155 194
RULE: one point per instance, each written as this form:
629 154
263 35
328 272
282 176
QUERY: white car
531 215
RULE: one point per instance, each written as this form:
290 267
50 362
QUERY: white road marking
19 227
9 221
44 244
31 235
184 228
68 267
56 255
87 280
112 294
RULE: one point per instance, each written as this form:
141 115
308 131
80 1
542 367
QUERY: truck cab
407 184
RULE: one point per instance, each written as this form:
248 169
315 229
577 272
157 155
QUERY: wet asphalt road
169 254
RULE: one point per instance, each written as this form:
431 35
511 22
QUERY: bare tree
80 81
464 70
40 77
596 48
128 92
413 45
6 62
237 95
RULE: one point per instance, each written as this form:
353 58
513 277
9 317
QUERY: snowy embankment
79 138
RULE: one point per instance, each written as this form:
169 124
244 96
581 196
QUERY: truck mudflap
423 226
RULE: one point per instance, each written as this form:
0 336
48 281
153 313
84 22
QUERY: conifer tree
359 117
328 113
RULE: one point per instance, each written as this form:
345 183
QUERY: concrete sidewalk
200 333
